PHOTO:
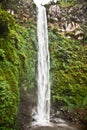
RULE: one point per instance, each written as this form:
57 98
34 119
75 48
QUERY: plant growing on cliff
9 62
68 71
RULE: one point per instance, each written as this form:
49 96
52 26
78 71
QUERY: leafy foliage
17 66
27 55
6 23
84 29
68 70
9 92
8 103
67 3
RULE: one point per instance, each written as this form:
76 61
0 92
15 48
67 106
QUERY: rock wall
69 19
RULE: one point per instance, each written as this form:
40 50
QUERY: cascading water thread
42 116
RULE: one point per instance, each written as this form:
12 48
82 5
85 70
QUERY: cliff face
69 20
18 59
22 10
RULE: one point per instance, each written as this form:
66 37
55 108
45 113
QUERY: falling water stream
42 116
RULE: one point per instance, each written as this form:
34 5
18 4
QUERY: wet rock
68 19
53 128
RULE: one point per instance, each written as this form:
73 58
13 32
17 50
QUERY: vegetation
17 47
67 3
8 69
9 4
84 29
68 70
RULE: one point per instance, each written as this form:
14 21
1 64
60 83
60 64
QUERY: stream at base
60 127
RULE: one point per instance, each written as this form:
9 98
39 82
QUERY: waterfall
43 103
